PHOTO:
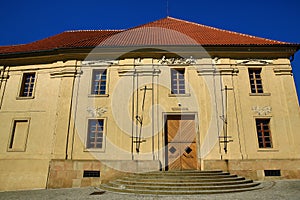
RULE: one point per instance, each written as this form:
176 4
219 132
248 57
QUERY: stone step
184 173
180 183
176 192
182 180
196 176
179 187
187 183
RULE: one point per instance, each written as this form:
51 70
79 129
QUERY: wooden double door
180 140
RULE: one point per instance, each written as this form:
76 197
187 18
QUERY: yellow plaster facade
43 141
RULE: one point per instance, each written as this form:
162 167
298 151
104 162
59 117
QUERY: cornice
236 52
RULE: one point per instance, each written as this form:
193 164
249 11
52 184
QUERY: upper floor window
95 134
99 82
255 81
27 86
177 81
264 133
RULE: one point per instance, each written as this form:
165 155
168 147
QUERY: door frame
165 136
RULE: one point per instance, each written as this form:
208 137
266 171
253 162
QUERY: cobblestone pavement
281 190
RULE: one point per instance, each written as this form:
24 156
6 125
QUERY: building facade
82 107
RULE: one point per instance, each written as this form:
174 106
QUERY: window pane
259 134
268 145
258 82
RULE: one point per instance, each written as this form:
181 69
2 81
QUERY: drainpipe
70 114
1 81
2 76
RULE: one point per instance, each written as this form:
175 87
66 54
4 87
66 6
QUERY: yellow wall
59 111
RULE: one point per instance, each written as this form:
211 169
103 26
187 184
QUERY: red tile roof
166 31
206 35
67 39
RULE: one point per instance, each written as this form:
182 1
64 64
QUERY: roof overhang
153 51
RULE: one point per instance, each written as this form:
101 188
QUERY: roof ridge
10 45
228 31
142 25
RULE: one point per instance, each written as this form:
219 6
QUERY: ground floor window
264 133
95 134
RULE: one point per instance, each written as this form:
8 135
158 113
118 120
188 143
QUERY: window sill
94 150
15 150
267 150
180 95
260 94
24 98
98 95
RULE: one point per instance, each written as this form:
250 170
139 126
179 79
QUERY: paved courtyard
287 189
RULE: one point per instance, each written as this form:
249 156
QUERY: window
95 134
177 81
99 82
255 81
264 133
18 137
91 173
27 85
272 172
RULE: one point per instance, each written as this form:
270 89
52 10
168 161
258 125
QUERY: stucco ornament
97 111
262 110
99 62
176 61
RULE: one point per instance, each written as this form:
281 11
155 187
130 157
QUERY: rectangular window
18 138
272 173
91 173
95 134
27 85
99 82
255 81
264 133
177 81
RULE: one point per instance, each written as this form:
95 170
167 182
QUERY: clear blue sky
30 20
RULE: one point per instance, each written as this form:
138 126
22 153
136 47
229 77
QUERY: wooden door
181 153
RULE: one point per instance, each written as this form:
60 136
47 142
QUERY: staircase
181 183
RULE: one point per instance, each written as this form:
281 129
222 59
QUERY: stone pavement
281 190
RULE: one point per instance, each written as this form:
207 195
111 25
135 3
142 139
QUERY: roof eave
79 53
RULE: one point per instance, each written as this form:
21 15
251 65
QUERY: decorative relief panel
99 62
96 111
254 62
262 110
176 61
